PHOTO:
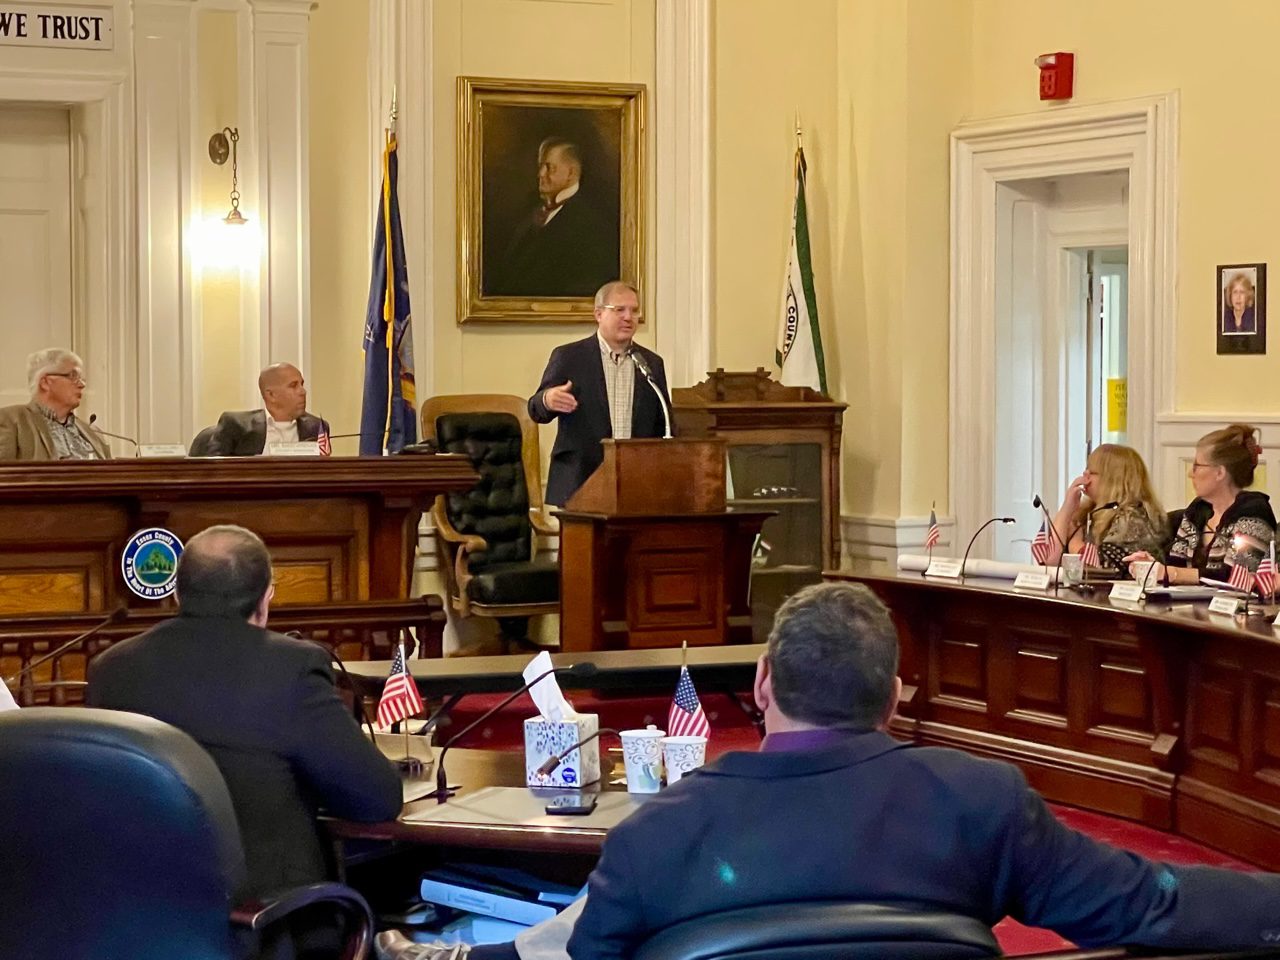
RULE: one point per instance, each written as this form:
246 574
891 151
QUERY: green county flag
799 353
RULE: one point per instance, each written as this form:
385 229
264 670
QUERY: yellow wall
1219 57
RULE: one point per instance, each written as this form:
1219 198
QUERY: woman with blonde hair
1225 525
1113 475
1238 315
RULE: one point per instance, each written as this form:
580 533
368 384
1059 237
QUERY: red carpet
731 729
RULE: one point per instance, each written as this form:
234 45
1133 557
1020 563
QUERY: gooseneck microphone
1039 504
1057 576
93 418
965 562
115 616
551 763
443 791
643 366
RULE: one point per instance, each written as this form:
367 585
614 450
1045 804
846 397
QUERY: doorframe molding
1138 136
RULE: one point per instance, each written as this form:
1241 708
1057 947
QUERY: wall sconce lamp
221 144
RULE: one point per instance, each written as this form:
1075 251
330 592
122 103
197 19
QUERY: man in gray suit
47 428
282 419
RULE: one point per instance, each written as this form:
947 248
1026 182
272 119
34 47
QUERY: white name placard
56 25
949 568
1229 606
1031 581
162 450
1129 591
302 448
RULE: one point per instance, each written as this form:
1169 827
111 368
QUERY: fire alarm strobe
1057 72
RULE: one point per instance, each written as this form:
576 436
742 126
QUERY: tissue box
544 739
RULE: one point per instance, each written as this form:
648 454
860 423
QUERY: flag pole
684 654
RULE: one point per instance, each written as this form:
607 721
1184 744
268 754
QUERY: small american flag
1089 555
326 448
1040 545
685 718
400 698
935 532
1265 578
1240 577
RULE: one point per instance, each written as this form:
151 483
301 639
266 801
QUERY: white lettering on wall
61 25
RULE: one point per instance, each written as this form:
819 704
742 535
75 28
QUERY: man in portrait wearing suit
598 389
47 428
564 248
262 704
282 419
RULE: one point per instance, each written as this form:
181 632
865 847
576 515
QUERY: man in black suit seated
262 704
597 389
564 248
282 419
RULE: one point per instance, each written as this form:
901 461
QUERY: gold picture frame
531 247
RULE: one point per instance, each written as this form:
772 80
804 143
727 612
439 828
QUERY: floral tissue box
544 739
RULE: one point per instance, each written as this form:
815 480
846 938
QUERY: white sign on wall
55 25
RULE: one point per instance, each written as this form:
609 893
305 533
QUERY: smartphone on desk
576 805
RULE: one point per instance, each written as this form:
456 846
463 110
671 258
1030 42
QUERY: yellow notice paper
1117 405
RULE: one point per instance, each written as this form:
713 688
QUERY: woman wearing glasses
47 428
1225 525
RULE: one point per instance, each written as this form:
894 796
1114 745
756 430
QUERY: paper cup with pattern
683 754
642 753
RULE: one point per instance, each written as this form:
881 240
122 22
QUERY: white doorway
35 239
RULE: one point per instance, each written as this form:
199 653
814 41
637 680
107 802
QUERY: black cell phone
572 806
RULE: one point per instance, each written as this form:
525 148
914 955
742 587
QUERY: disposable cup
680 755
642 753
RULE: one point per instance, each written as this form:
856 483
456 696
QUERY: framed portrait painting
551 200
1242 308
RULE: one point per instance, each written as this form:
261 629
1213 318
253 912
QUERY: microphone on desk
965 562
1072 535
442 791
93 418
362 719
115 616
643 366
549 765
1040 505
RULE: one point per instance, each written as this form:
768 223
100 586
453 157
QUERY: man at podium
602 386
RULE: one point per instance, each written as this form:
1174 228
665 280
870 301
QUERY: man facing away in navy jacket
833 808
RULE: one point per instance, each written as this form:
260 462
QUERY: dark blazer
577 450
265 707
243 433
573 255
874 819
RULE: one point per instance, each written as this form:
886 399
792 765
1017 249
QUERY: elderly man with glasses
600 387
47 428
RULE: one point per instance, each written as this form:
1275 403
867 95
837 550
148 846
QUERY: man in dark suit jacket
832 808
262 704
283 419
565 248
576 387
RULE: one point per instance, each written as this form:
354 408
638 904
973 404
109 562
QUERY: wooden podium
650 556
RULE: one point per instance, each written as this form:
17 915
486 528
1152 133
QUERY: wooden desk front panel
60 558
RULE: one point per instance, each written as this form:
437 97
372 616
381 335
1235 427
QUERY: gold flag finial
799 132
392 120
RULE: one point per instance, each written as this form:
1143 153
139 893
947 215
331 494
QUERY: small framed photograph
551 198
1242 308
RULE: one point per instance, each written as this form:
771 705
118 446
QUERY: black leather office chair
823 930
200 444
486 534
120 841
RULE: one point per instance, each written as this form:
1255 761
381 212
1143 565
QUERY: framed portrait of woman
1242 308
551 196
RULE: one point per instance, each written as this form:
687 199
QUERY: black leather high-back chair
823 930
120 841
486 535
200 443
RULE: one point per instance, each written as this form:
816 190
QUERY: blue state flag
388 417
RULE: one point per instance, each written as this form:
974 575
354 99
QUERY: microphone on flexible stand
443 791
1080 526
362 719
551 763
973 539
115 616
1040 505
93 418
643 366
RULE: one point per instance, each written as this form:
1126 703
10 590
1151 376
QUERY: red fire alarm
1057 71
